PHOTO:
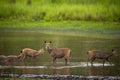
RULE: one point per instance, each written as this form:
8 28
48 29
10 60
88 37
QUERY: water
12 42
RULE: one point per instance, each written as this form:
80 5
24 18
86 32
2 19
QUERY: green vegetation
59 10
79 17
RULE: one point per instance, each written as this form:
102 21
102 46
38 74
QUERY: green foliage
58 10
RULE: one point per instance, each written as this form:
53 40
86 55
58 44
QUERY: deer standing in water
31 53
11 59
2 59
58 52
97 54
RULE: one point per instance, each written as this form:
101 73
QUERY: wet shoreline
60 77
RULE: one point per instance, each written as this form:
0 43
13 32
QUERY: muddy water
12 42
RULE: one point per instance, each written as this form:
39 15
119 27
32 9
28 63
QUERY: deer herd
55 53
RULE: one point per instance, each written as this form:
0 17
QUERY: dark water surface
12 42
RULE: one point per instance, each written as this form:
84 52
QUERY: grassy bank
77 28
60 10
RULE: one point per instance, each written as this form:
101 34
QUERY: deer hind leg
104 62
66 60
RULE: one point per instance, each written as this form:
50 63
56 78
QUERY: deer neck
21 56
111 54
49 50
39 51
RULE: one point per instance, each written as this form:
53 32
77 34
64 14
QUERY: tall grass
58 10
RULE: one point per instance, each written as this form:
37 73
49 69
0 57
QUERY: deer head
47 45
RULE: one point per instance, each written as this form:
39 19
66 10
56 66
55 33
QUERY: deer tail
70 54
21 51
87 52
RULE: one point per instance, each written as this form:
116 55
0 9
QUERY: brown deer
31 53
11 59
58 52
2 59
97 54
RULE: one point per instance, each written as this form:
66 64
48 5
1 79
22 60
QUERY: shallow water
12 42
71 65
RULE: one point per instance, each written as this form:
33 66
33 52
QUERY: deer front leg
33 60
88 61
91 60
24 60
66 61
103 62
54 60
108 61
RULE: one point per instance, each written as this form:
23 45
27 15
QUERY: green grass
60 10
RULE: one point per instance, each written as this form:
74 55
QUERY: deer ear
50 41
44 41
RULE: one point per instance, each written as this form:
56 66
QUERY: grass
60 10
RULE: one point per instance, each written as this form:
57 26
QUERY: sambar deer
31 53
11 59
2 59
58 52
97 54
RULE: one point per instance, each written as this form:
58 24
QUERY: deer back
29 52
60 52
99 54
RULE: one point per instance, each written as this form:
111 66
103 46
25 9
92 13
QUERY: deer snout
47 47
115 52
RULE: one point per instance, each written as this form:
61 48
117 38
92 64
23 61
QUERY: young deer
96 54
31 53
58 52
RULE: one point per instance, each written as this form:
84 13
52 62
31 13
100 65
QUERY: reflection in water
103 71
57 69
95 70
64 71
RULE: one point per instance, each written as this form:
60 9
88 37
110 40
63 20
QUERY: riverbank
77 28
